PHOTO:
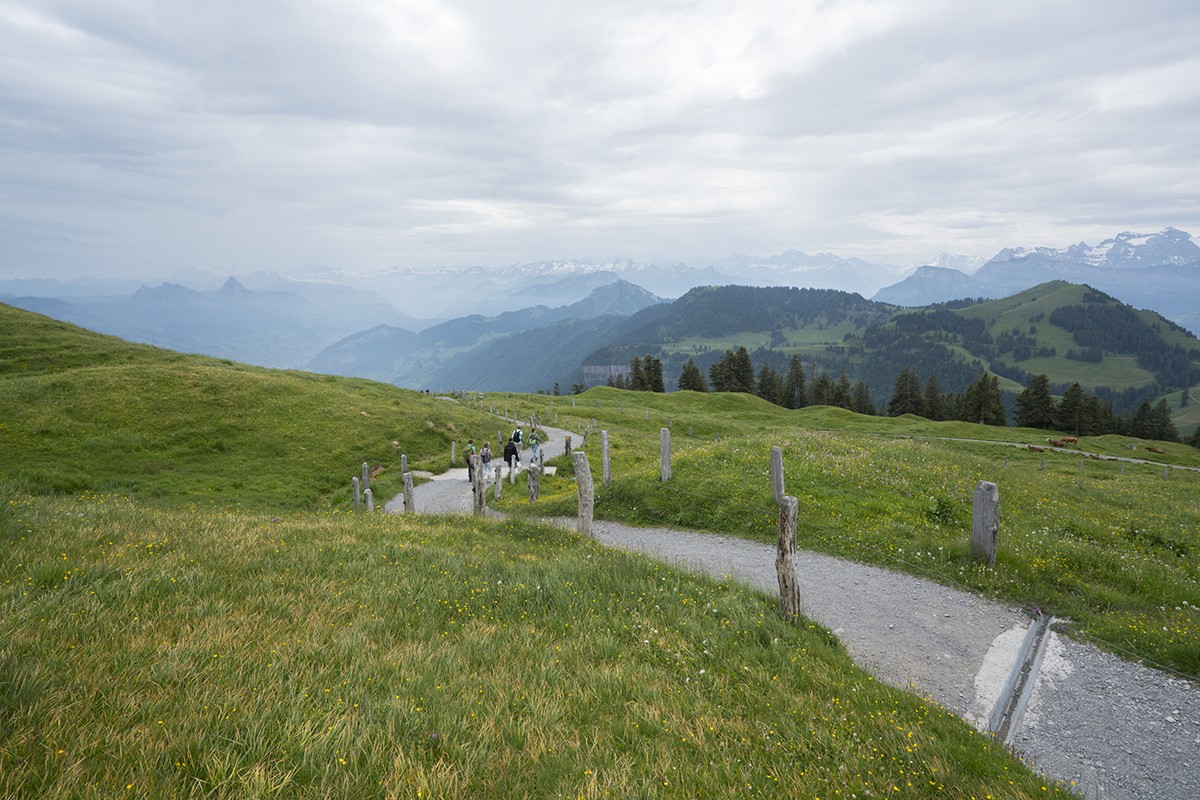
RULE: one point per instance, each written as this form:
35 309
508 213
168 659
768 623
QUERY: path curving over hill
1117 730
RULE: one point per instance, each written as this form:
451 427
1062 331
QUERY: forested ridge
860 347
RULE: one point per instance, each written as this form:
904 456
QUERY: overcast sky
138 137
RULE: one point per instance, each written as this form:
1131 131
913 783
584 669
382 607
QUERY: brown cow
1070 439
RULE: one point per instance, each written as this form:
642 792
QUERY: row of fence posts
985 523
985 514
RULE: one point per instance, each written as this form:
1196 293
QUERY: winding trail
1117 730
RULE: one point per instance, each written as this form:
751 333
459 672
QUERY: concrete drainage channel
1010 706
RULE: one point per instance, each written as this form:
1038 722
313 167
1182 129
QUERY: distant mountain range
446 328
1158 271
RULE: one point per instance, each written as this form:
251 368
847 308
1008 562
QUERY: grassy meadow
1113 546
189 609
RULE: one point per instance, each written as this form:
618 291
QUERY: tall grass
153 652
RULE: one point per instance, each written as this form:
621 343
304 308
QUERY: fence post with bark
785 558
587 493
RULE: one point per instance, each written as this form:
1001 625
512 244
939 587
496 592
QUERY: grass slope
86 411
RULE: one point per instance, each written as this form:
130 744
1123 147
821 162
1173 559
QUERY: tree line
1076 411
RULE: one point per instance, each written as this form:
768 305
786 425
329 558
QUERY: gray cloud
138 137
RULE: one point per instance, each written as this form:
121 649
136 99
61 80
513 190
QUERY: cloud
138 137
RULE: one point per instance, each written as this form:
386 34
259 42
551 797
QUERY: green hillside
171 629
1069 332
82 411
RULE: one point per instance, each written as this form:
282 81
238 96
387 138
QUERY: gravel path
1119 731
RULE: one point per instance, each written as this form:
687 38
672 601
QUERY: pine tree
691 378
820 391
982 402
932 401
794 395
906 397
770 385
742 372
1161 425
637 375
720 373
843 393
1069 415
1035 406
862 400
653 369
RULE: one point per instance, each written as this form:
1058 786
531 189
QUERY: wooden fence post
403 463
985 522
453 453
606 471
354 482
410 506
568 446
370 500
777 475
587 495
785 558
666 453
533 484
477 483
366 476
498 482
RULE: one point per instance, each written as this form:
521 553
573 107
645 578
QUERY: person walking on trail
485 457
470 459
516 437
510 454
533 445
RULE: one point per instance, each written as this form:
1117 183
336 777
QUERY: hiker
485 457
470 463
533 445
510 453
516 437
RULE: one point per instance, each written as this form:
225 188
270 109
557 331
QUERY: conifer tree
637 375
821 391
794 394
1069 415
1035 406
691 378
862 400
934 404
906 397
770 385
652 368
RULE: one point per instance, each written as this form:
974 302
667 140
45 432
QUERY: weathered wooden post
403 463
533 483
477 483
498 482
370 497
366 476
1122 468
1166 472
605 471
985 522
777 475
410 505
666 453
453 453
354 482
1043 462
500 440
785 558
587 494
647 415
568 445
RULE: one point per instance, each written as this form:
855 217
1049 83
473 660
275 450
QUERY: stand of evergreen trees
1076 411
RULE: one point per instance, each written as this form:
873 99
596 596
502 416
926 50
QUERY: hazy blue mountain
930 285
266 328
441 354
